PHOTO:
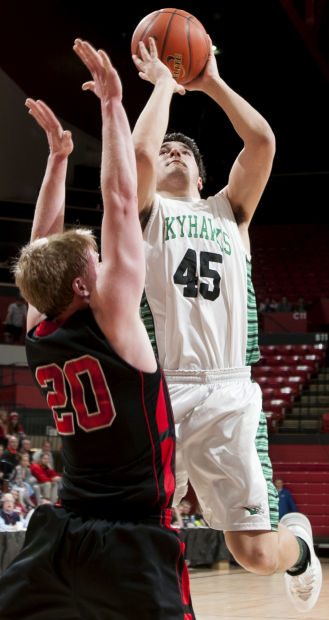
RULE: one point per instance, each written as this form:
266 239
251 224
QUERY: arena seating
280 266
282 373
309 486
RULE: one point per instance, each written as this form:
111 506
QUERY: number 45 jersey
115 421
198 286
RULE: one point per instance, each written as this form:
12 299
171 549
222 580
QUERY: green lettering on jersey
197 226
169 228
227 250
194 225
181 223
218 232
204 230
213 230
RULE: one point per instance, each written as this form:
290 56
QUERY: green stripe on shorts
261 441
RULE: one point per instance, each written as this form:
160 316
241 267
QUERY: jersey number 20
57 398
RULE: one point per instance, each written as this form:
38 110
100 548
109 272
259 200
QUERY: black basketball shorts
74 568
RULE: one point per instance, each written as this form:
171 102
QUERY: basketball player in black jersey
107 552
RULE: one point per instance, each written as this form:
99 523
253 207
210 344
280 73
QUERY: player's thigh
135 571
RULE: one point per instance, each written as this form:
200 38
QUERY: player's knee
254 555
258 561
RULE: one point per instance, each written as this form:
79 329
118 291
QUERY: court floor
235 594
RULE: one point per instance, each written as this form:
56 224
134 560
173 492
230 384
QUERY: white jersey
197 284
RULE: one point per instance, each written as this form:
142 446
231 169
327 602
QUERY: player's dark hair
192 145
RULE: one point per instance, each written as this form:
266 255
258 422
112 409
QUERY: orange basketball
181 41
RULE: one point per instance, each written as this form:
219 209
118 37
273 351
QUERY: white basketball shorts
217 415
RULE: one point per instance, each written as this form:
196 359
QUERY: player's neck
77 303
179 193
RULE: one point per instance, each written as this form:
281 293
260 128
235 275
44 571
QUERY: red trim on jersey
167 447
151 439
161 411
186 587
45 328
183 581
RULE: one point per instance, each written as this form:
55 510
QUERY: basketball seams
187 30
167 30
147 28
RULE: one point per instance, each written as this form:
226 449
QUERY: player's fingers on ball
138 61
153 48
143 51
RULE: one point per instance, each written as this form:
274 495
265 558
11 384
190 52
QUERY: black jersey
115 421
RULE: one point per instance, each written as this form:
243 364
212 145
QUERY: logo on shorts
254 510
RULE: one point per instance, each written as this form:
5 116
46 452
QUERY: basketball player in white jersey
200 301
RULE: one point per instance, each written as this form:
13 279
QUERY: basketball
181 41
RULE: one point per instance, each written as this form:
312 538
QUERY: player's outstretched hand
106 83
60 141
151 68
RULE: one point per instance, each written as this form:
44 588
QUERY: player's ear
79 287
200 184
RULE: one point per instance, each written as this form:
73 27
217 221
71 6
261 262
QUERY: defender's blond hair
46 268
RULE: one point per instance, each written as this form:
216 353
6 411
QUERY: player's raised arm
152 123
251 169
50 207
121 278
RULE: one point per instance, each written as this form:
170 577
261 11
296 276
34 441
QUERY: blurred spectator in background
1 472
286 502
273 305
45 449
4 426
23 481
183 517
10 454
284 305
26 448
15 428
46 477
300 306
15 321
9 519
265 306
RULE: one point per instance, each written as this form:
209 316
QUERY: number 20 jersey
115 421
198 285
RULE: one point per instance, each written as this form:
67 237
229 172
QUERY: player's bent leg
263 552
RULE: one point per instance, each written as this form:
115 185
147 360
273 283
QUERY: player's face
176 160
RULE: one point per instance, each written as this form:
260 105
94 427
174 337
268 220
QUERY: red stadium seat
261 371
268 392
262 381
281 371
275 406
276 360
269 349
276 382
297 381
